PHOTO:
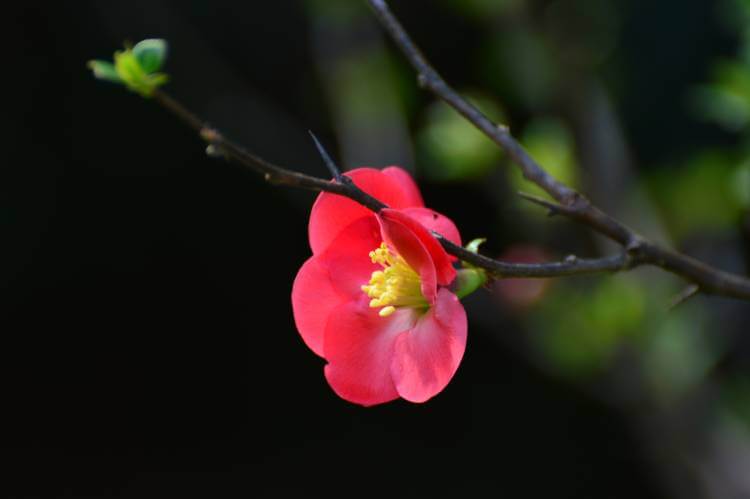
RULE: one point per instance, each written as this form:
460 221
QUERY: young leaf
150 54
104 70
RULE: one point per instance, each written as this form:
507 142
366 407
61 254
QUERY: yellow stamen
386 311
397 285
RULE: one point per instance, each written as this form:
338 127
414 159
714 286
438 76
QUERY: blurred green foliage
701 195
735 394
361 79
711 189
550 143
341 12
581 332
452 148
521 65
740 184
578 330
726 100
483 8
678 351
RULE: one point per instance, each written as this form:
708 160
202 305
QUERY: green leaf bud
134 67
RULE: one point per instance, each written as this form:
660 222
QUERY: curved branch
221 146
572 265
570 203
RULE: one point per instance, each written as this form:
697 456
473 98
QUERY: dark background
148 347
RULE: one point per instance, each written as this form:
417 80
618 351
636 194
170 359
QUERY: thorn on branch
552 208
684 295
335 171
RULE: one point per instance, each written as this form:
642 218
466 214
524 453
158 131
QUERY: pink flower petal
331 213
426 357
444 270
359 349
408 246
408 186
327 280
313 300
348 257
434 221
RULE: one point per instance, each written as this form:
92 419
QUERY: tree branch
570 203
221 146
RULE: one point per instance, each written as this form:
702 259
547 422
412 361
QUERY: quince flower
375 300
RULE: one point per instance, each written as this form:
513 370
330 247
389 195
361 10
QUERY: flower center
397 285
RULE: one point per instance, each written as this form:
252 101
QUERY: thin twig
278 175
570 203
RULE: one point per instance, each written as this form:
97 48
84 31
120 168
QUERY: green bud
134 67
468 280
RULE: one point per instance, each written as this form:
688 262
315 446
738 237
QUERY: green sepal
468 280
473 246
104 70
470 277
150 54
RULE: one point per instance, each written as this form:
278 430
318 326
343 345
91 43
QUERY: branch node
577 202
634 245
571 259
422 80
345 180
213 152
210 135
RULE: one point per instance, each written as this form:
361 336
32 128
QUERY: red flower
373 300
